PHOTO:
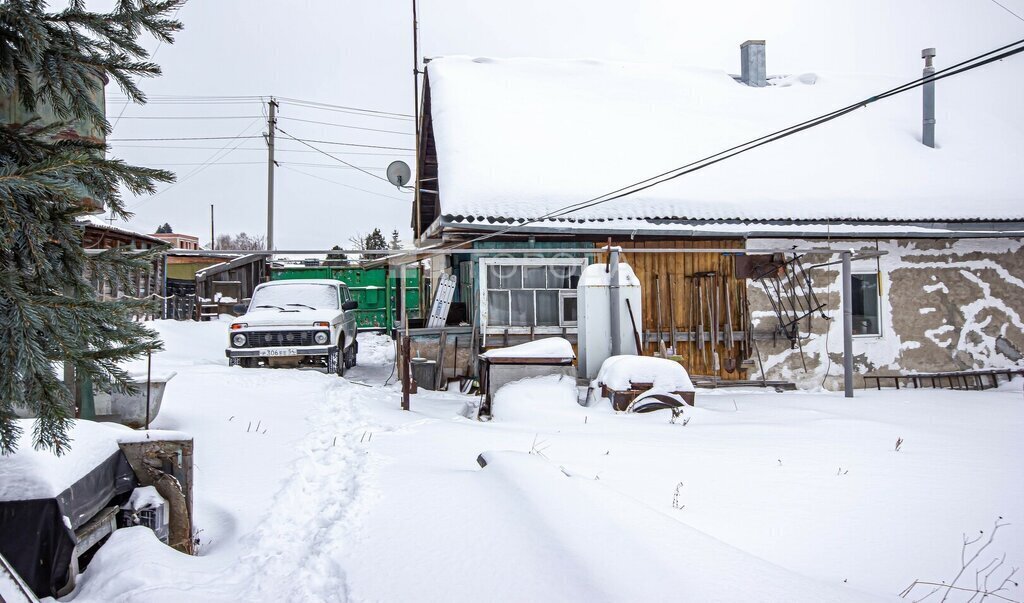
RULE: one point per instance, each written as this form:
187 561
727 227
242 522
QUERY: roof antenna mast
416 105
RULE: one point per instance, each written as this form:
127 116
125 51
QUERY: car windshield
295 296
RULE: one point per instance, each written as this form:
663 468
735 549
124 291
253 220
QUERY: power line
344 185
300 163
978 61
260 149
204 163
309 103
327 123
332 156
349 144
180 138
214 158
1002 6
190 117
170 99
331 166
972 63
151 57
302 140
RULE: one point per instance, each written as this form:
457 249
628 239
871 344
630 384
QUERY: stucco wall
945 305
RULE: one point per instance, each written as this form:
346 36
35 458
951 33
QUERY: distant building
97 234
179 241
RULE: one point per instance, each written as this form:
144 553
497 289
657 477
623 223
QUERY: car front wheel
350 354
336 362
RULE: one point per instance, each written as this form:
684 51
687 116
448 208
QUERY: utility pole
213 237
416 111
271 126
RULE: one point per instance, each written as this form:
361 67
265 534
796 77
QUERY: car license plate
279 352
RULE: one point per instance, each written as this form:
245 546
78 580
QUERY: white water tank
594 319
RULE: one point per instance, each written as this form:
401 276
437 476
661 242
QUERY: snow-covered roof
517 138
99 223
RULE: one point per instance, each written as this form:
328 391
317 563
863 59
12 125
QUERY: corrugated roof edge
759 228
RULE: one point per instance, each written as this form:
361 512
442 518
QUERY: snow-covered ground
310 487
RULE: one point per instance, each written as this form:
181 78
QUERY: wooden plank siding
682 266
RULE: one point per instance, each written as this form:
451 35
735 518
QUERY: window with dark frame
866 305
532 295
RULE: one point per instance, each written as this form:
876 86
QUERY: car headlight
238 340
321 337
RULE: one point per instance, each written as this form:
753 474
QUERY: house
507 146
178 241
98 234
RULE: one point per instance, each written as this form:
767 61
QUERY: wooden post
405 372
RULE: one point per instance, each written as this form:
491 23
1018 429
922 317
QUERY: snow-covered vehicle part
296 323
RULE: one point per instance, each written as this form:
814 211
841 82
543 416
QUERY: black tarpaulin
38 541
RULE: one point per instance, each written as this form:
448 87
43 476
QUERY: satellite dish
399 173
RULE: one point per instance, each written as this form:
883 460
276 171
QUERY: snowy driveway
314 488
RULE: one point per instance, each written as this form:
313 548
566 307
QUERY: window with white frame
529 294
866 304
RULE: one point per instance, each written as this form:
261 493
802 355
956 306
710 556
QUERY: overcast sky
359 54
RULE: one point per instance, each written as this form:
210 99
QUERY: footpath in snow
310 487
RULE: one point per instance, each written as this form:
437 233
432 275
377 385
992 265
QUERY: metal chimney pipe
614 304
847 293
753 70
928 95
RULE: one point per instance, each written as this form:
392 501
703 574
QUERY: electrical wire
214 158
171 99
190 117
348 144
204 163
1000 5
261 150
302 140
330 165
288 167
964 66
327 123
180 138
338 159
151 57
315 104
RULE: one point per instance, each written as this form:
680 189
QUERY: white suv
308 322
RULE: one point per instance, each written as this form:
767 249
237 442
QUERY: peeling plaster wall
945 305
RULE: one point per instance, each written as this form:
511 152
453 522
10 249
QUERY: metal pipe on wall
614 311
928 97
847 324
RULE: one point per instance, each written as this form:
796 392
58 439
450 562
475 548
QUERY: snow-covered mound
537 399
666 375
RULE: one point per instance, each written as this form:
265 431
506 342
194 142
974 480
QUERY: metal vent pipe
928 95
753 69
614 305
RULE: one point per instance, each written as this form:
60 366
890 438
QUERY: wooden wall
681 267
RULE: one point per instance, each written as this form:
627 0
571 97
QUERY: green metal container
375 289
